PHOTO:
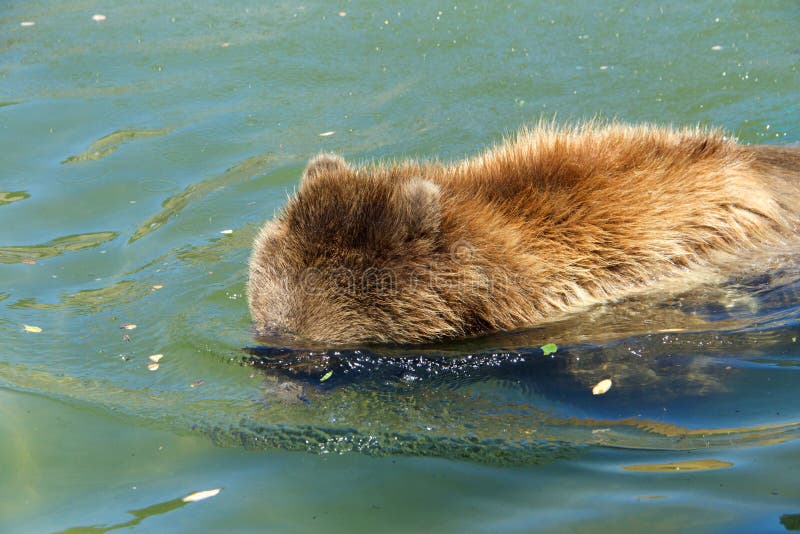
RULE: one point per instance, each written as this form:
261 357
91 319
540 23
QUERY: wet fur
536 227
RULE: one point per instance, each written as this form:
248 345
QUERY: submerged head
350 257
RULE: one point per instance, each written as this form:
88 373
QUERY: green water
131 143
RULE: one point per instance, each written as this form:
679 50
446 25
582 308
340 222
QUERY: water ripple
55 247
173 205
111 142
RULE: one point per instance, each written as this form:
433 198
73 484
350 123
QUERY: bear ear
324 163
421 199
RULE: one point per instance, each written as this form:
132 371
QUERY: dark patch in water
643 366
791 521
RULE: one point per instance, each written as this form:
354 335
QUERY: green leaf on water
550 348
326 376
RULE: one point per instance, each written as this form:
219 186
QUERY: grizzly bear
539 226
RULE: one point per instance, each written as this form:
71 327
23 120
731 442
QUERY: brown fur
536 227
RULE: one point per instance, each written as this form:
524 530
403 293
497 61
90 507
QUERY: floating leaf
691 465
29 262
157 287
601 387
549 349
226 232
200 495
326 376
32 329
155 357
127 326
197 383
152 367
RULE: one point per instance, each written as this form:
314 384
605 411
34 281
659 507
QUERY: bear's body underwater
532 229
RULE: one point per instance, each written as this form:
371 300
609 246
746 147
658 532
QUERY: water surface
143 151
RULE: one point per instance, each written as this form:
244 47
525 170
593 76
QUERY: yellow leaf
155 358
601 387
33 329
200 495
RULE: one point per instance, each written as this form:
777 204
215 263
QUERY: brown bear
539 226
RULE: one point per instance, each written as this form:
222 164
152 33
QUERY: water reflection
683 368
139 515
